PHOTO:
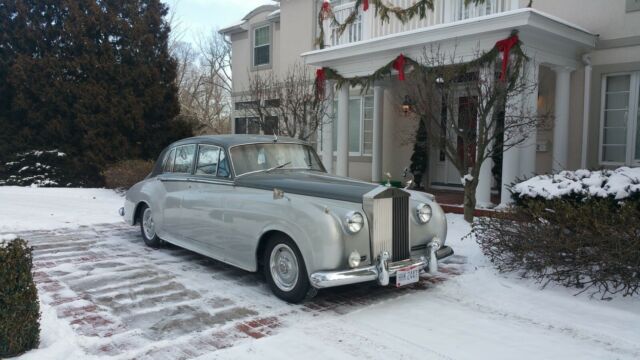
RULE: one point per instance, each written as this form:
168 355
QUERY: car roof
232 140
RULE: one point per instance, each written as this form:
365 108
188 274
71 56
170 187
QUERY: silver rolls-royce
259 202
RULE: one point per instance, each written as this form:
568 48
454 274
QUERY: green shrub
590 243
125 174
19 307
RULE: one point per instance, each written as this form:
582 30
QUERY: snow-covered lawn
105 295
32 208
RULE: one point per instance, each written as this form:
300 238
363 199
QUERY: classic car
267 203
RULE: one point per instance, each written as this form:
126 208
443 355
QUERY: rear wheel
285 270
148 227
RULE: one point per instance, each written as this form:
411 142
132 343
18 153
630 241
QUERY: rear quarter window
167 165
184 158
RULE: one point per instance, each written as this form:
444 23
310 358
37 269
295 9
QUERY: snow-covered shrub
125 174
19 307
587 237
38 168
619 184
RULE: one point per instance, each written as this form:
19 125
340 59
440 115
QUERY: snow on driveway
105 295
32 208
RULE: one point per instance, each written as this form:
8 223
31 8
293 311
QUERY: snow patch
8 237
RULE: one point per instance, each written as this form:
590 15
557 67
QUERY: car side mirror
278 194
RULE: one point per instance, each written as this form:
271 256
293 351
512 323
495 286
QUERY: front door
446 173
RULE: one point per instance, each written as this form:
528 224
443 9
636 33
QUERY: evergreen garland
383 11
365 82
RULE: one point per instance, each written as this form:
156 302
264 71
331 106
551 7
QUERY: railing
367 27
352 34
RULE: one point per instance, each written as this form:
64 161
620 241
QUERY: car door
203 206
174 183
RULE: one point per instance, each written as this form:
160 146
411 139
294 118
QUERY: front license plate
407 275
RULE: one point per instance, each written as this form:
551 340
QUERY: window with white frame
620 119
360 126
262 46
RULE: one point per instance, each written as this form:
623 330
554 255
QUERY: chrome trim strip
172 178
211 181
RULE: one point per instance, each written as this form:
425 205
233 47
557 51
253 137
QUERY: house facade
584 57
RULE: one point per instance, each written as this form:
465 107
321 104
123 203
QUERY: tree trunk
470 199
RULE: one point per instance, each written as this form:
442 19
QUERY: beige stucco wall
292 35
604 17
298 30
242 51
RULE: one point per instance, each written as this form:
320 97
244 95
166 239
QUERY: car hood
310 183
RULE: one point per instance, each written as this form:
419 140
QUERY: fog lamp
354 259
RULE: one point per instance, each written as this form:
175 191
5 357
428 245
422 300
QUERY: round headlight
354 222
424 212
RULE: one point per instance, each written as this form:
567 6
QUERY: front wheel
285 270
148 227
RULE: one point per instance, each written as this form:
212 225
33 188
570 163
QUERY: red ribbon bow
321 77
365 5
325 10
505 46
398 64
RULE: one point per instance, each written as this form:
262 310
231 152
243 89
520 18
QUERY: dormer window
262 46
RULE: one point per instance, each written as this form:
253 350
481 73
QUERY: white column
483 191
588 69
327 129
342 164
561 119
510 153
378 101
530 110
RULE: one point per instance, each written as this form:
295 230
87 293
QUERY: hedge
19 307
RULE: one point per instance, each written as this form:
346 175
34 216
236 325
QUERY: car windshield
263 157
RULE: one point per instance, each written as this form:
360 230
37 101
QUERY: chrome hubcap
148 225
284 267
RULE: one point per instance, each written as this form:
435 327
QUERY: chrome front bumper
381 271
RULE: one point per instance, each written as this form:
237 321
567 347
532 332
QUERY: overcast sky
202 16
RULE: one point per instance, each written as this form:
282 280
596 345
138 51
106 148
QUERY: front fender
316 226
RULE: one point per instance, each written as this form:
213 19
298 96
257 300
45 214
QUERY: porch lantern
406 105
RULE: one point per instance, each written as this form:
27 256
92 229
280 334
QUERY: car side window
167 167
184 158
223 165
208 156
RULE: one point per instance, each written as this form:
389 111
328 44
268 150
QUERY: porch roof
546 38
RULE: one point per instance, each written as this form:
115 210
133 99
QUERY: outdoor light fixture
406 105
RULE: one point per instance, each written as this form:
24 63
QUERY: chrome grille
400 229
390 218
382 227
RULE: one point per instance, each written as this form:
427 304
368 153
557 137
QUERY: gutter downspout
588 69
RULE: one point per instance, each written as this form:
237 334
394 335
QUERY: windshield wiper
278 167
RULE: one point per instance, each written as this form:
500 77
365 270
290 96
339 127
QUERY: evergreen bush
19 307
